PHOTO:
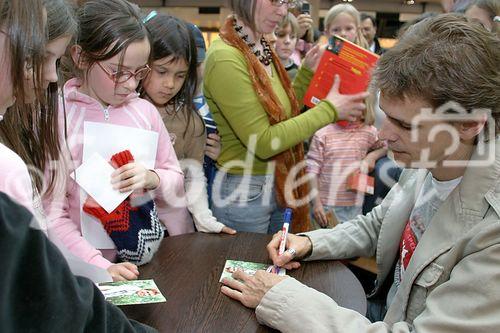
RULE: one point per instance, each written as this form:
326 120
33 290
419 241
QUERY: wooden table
187 269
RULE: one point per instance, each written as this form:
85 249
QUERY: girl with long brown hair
30 127
21 60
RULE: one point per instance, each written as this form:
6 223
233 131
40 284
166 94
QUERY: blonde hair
289 20
345 8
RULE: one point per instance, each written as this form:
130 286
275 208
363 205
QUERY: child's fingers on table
227 230
130 266
127 274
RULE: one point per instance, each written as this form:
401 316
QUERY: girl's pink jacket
63 207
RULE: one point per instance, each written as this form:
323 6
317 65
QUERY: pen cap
287 216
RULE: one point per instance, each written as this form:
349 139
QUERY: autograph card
131 292
250 268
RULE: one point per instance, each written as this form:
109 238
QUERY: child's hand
319 213
213 146
123 271
227 230
313 57
133 176
367 165
349 107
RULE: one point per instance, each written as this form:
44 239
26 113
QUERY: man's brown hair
442 59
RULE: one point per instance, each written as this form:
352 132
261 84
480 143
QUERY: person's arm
60 223
466 302
195 184
368 163
377 150
314 164
39 293
354 238
228 85
197 199
301 82
290 306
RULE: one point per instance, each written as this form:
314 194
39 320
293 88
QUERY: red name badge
360 182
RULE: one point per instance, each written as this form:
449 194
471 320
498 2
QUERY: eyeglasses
124 76
289 3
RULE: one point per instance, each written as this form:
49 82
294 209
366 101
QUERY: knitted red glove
118 219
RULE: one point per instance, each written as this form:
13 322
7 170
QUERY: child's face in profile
286 40
165 80
54 50
343 25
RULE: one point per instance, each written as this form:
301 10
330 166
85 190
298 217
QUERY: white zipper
106 114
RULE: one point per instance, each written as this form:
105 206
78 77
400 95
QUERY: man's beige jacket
452 283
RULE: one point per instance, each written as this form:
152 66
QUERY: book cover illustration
351 62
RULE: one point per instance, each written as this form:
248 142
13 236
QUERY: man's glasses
288 3
124 76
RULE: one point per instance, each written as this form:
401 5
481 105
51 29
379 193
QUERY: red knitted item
118 219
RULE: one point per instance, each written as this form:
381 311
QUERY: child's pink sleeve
15 180
315 154
62 227
170 196
60 224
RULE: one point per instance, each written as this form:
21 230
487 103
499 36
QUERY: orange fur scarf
286 160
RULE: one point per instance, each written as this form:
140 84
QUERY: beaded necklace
265 57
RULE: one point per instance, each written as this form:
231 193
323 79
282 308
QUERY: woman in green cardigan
256 107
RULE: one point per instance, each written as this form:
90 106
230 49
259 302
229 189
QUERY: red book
351 62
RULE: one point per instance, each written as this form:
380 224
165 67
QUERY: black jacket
38 292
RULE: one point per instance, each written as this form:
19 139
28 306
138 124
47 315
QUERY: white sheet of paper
94 176
107 140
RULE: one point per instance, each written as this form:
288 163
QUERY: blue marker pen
287 219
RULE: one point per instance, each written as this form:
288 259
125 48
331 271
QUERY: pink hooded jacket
63 209
15 179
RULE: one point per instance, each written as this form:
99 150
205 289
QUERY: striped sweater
334 153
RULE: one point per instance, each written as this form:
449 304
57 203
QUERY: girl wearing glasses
257 108
109 61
